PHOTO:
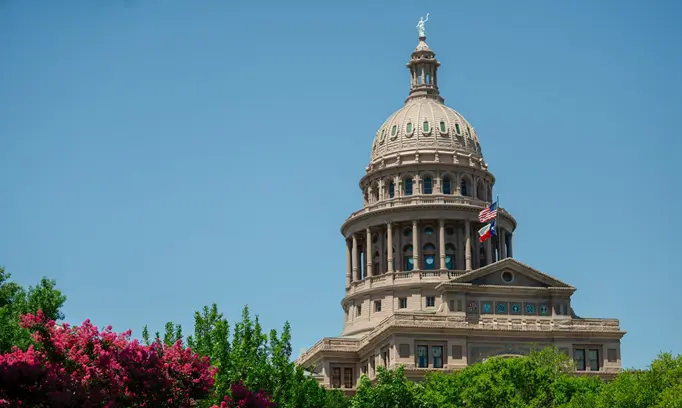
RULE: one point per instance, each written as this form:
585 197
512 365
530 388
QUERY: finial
420 27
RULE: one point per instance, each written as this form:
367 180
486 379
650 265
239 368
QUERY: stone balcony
401 278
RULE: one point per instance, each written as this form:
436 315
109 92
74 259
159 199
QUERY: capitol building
422 290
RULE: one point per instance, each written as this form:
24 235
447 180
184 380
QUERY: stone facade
421 290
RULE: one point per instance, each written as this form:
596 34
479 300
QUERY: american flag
488 213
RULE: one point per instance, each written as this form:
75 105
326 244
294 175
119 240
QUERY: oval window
442 126
393 129
409 127
457 128
426 126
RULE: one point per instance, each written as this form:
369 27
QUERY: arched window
408 260
408 186
429 256
375 194
428 185
450 256
407 232
428 231
464 187
391 189
447 186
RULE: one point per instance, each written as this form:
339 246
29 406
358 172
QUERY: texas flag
487 232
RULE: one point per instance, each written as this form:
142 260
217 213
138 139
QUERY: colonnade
384 249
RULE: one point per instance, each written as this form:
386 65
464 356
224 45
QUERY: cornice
400 205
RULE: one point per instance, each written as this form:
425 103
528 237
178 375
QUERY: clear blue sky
158 156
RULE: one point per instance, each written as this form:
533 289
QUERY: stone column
441 243
503 243
488 252
467 244
349 264
354 256
368 254
389 247
415 244
510 251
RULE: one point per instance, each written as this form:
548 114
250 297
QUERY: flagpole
497 226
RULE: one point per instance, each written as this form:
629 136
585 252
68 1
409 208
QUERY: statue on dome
420 26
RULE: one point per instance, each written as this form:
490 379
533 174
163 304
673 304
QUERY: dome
425 124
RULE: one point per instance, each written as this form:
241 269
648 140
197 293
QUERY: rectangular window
336 377
437 352
459 305
364 369
377 305
579 358
422 356
402 303
347 377
359 310
593 357
452 305
430 301
428 185
446 187
384 358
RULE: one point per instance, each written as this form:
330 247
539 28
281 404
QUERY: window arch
428 230
446 186
407 186
465 186
429 255
428 185
408 260
450 256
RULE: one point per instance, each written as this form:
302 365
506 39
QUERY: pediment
510 272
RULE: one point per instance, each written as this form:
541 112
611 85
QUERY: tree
16 301
84 367
659 386
391 390
258 361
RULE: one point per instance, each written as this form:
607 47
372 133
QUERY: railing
421 199
388 279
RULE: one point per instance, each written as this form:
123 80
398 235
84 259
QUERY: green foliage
262 361
391 390
15 301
